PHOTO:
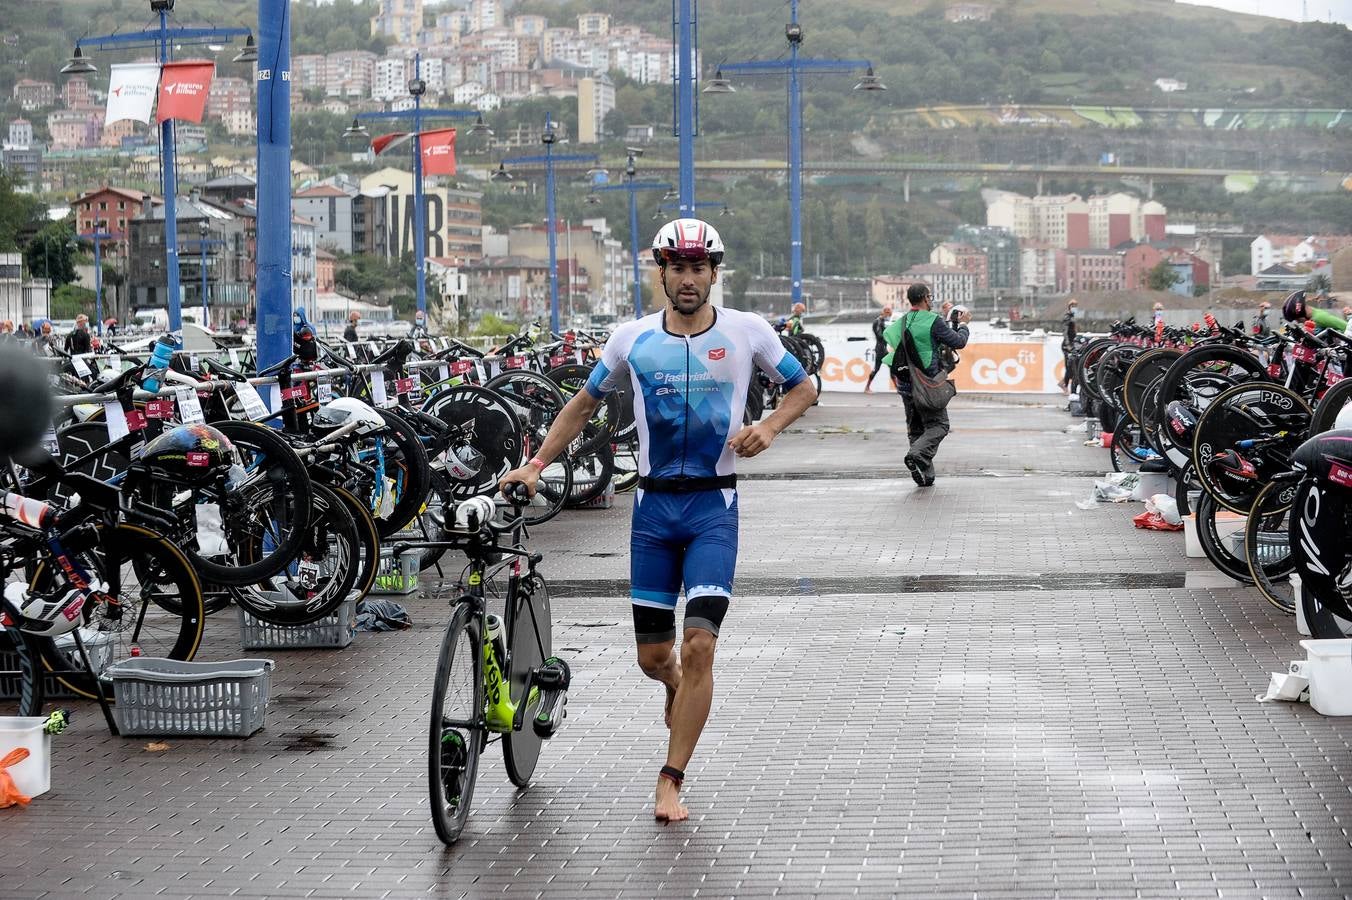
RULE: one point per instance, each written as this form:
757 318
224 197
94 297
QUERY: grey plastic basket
168 698
98 644
1273 546
397 576
334 631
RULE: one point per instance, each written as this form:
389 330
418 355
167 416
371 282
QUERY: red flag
183 90
438 151
382 142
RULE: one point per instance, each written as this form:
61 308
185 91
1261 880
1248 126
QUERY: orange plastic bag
1154 522
9 793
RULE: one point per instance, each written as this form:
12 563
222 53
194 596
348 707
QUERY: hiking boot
917 470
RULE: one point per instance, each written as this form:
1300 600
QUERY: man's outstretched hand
752 439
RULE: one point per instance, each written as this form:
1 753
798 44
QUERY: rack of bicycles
174 484
1255 432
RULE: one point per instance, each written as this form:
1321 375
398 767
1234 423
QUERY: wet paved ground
972 690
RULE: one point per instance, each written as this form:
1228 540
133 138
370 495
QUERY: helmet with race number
687 239
190 454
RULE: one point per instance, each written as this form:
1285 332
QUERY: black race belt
687 485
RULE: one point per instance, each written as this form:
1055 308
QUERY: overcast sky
1323 10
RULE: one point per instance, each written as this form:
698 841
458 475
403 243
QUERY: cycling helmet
47 615
1182 419
339 411
1233 472
190 454
1293 309
306 344
687 239
23 386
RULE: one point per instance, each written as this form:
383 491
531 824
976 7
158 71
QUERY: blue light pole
163 39
549 158
635 240
97 237
793 67
686 113
416 88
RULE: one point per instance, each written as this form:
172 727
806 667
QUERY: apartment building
595 100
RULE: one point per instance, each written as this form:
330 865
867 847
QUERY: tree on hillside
54 245
1162 277
19 213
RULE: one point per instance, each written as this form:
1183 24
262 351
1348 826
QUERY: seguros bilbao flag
183 90
438 151
131 92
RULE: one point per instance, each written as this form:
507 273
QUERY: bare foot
671 698
669 808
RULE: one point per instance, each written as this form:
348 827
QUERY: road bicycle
496 672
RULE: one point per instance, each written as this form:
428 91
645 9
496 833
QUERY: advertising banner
183 90
438 151
131 92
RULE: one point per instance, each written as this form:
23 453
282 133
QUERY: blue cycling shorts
682 539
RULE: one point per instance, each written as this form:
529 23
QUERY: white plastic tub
33 776
1330 672
1192 545
1152 483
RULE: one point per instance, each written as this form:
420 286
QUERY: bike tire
1330 405
591 473
369 544
1222 365
285 600
1231 417
1146 369
155 568
1322 552
530 643
407 463
1214 546
1267 545
572 379
287 482
484 420
22 678
456 742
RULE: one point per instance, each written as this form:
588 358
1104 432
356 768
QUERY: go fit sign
1011 367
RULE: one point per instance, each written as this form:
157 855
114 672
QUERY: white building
400 20
595 100
467 93
593 24
486 14
389 79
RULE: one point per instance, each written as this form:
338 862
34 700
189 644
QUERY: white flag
131 91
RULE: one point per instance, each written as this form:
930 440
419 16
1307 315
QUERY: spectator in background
110 328
1157 317
879 346
45 342
350 332
1347 314
1261 328
78 341
419 329
795 323
1069 329
6 331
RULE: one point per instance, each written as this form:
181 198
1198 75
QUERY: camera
955 314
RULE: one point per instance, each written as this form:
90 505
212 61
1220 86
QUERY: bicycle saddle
1320 452
400 351
224 371
118 381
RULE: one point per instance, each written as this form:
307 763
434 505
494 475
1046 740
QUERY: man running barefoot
690 366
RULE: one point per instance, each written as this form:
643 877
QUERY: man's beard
687 305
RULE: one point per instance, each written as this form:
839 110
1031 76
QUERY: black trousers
926 429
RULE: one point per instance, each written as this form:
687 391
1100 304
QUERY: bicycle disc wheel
317 581
1331 406
484 420
1261 411
529 644
1267 545
264 520
159 610
456 733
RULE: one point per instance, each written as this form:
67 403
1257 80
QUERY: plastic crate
397 577
333 632
603 500
168 698
98 644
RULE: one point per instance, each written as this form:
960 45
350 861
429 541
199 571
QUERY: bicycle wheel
1146 369
398 454
626 466
1199 375
318 580
159 601
1185 482
264 520
21 673
591 473
1322 553
536 400
1225 551
529 643
368 547
456 733
1336 402
483 420
1129 449
571 379
1267 545
1267 412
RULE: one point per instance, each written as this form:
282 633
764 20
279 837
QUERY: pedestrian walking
350 332
78 341
691 364
1069 329
879 346
916 339
1261 328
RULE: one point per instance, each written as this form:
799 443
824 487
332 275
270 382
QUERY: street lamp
633 188
164 39
203 242
794 67
548 137
416 88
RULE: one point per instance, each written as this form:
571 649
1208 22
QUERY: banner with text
438 151
184 87
131 92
